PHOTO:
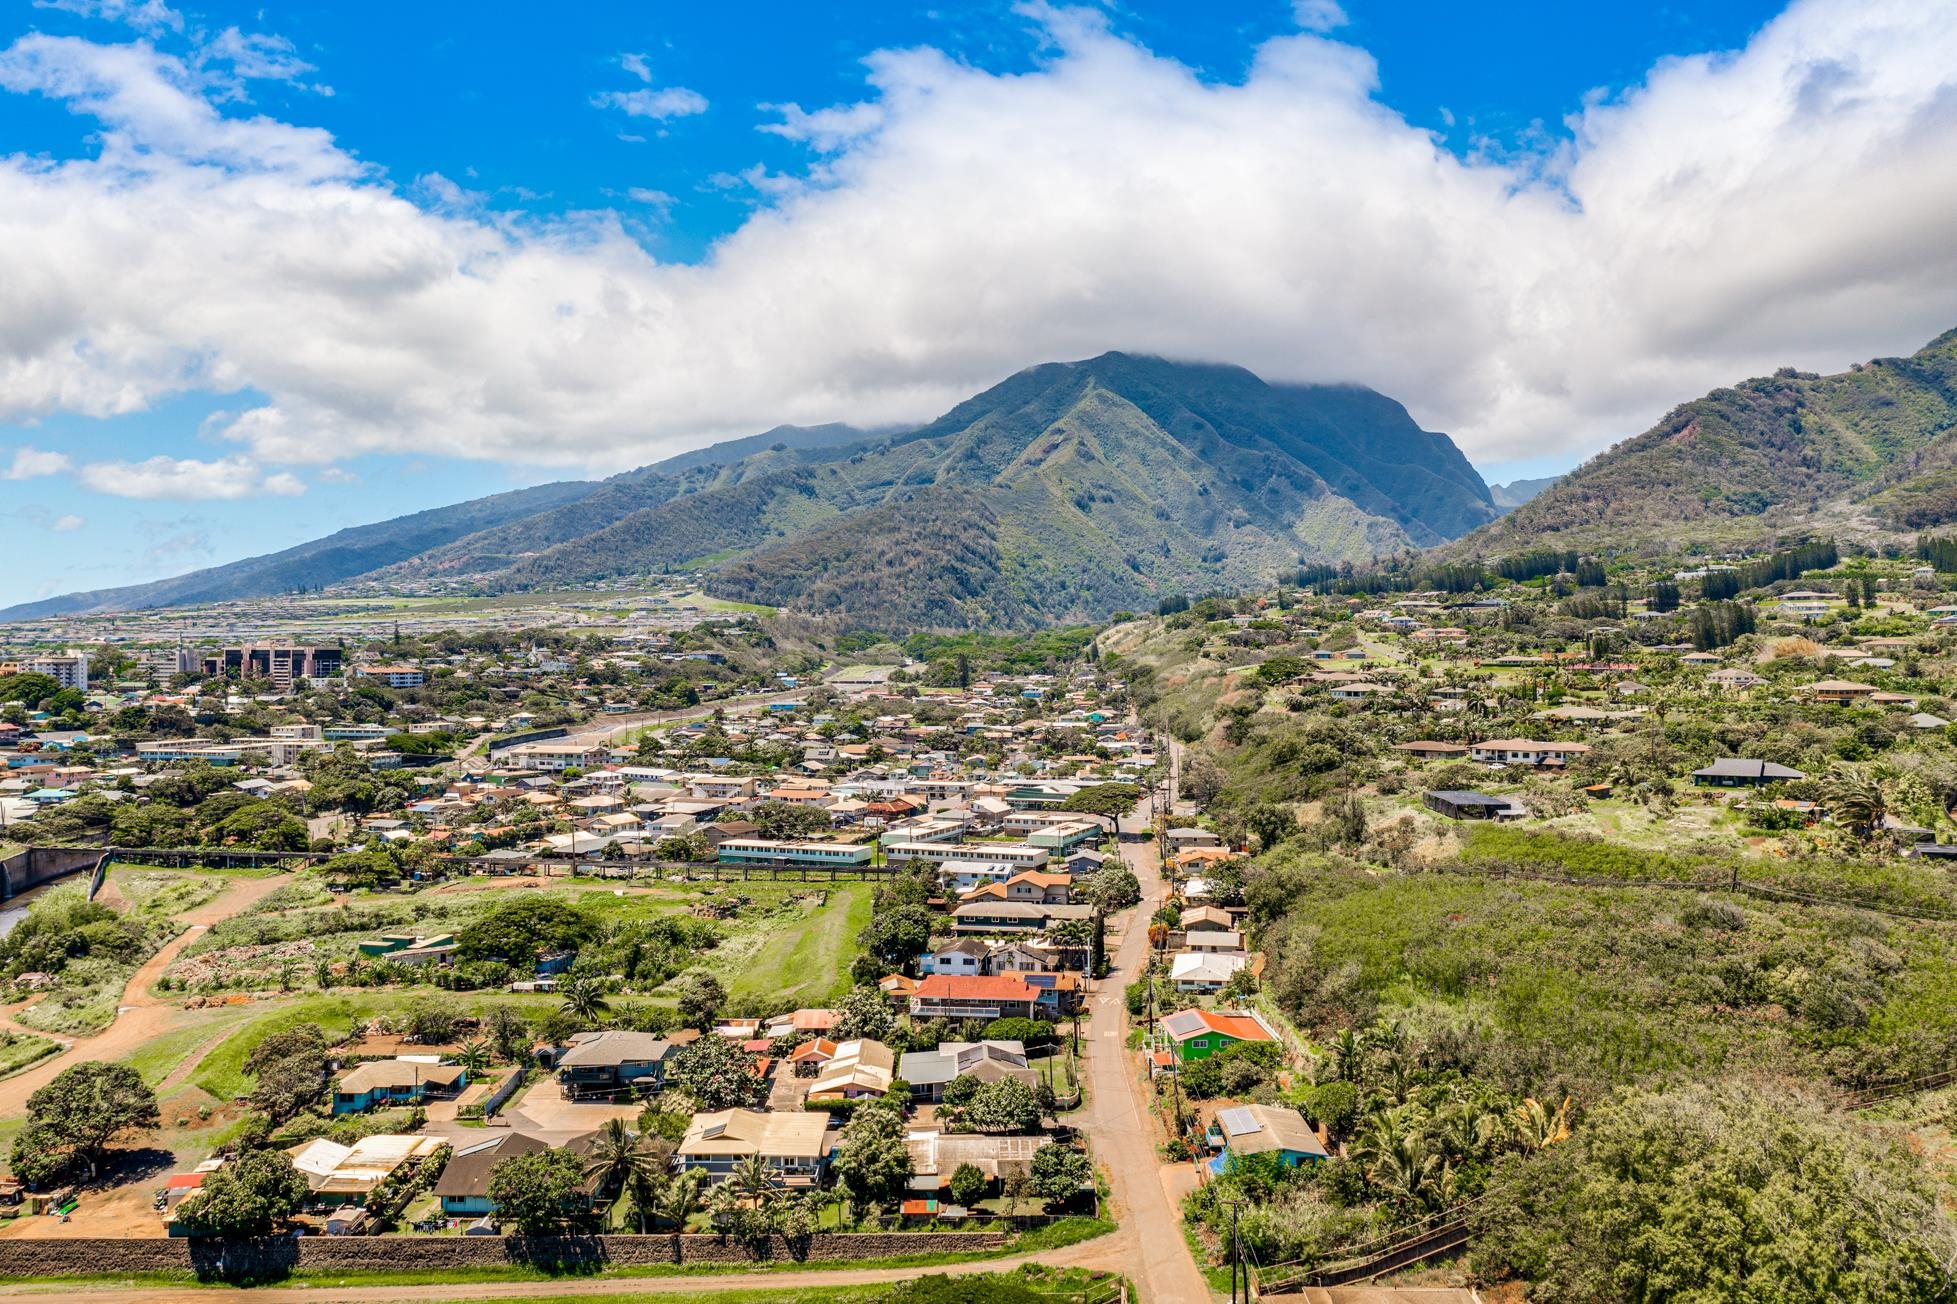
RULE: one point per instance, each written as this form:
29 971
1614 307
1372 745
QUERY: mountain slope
1065 492
1105 484
341 556
1512 495
1870 452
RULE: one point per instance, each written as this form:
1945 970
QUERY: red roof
184 1181
959 986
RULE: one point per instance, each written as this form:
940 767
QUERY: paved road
141 1016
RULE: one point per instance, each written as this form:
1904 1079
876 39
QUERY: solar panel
1238 1121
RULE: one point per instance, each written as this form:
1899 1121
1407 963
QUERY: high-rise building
282 665
69 668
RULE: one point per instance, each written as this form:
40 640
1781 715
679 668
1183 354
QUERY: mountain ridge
1084 487
1870 453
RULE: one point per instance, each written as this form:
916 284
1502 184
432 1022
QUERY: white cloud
1784 204
636 65
256 56
187 479
667 102
67 523
151 16
30 463
1319 15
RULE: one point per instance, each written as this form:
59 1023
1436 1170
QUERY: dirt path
1116 1118
142 1015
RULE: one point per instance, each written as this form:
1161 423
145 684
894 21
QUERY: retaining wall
271 1257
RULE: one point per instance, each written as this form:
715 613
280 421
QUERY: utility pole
1236 1254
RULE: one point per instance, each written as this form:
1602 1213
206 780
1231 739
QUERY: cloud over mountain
1787 203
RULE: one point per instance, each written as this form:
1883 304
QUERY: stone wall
273 1257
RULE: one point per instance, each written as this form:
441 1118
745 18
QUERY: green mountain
1870 453
1066 492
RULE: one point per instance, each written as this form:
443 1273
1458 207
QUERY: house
463 1187
803 1021
1213 941
936 1155
1186 838
1033 886
1734 680
1205 971
1734 772
1013 916
964 955
1461 805
1199 1034
1246 1130
958 996
856 1069
616 1060
1525 751
1840 692
927 1071
1428 750
1196 919
346 1175
795 1146
395 1082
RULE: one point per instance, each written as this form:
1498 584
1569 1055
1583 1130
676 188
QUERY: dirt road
1115 1118
141 1015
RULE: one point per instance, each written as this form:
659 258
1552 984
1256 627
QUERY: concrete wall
275 1257
38 865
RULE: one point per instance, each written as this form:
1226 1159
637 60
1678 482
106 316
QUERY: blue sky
514 126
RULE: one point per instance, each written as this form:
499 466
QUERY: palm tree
473 1055
584 1001
754 1181
1857 799
679 1199
1346 1053
622 1159
1538 1127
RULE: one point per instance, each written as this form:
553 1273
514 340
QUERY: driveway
546 1113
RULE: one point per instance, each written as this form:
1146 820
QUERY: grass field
806 964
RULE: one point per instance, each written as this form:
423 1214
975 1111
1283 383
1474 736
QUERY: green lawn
18 1050
805 963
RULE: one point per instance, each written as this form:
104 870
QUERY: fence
1442 1232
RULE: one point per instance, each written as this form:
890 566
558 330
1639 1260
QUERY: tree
1111 888
787 820
969 1184
1857 799
538 1191
584 1001
1108 801
473 1056
1711 1192
1201 779
864 1012
1059 1172
871 1160
521 930
700 999
624 1161
1007 1105
87 1107
250 1196
1270 823
509 1033
714 1071
291 1069
897 937
679 1198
